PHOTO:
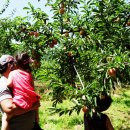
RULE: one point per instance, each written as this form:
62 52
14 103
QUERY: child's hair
103 104
23 61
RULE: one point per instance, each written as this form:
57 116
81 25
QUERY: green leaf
26 8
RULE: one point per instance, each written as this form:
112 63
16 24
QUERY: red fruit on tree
85 109
54 41
81 32
51 45
62 10
31 33
112 72
128 23
36 34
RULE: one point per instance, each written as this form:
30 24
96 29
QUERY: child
22 84
99 121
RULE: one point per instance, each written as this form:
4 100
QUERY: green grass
119 113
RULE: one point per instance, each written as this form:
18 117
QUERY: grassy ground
119 113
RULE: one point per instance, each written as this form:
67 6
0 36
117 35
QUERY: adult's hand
18 111
6 105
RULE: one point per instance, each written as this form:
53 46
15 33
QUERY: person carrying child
21 83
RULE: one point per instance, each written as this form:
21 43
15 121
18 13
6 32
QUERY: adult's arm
10 108
18 111
7 103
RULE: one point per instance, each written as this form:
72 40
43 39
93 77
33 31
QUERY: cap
6 59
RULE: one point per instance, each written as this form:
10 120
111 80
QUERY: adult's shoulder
5 92
3 83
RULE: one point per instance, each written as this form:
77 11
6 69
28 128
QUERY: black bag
37 127
95 122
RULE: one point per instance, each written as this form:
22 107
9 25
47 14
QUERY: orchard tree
92 56
87 43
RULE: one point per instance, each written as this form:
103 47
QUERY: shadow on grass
124 99
127 99
71 122
126 95
75 121
56 121
127 103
